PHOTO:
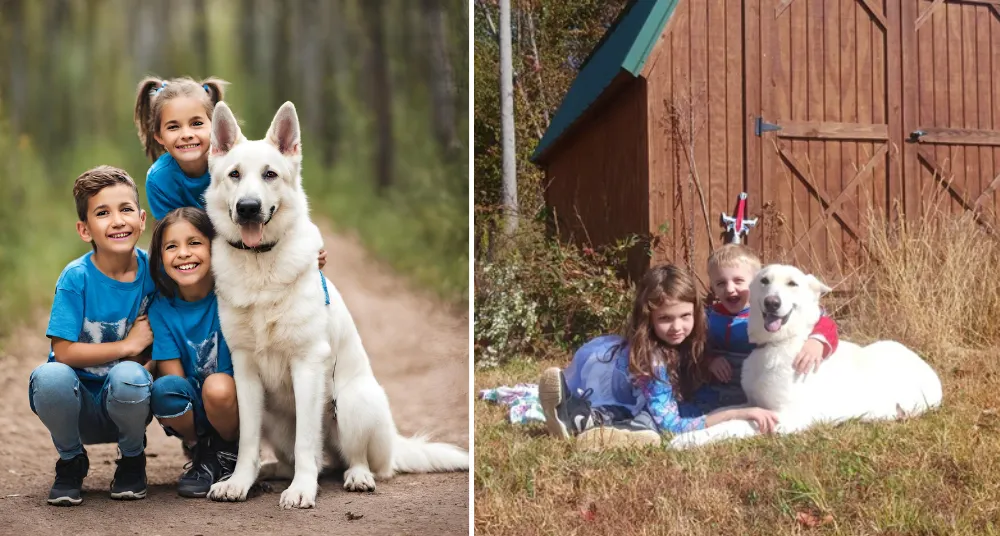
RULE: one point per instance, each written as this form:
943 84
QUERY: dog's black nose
772 304
248 208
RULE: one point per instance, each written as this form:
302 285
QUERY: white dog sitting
303 378
881 381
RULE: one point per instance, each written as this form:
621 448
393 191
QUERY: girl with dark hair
194 397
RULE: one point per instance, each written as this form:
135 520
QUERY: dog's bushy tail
417 455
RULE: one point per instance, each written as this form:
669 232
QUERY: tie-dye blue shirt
168 187
190 331
91 307
668 413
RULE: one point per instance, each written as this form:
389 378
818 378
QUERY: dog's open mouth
773 322
252 233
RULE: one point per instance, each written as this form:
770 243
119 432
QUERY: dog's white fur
881 381
302 374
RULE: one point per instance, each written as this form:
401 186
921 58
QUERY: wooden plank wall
697 67
598 179
726 61
826 65
955 57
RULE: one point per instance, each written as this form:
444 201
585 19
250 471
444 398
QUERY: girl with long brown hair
648 380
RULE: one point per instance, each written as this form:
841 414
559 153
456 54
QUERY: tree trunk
381 94
442 76
17 104
507 121
312 66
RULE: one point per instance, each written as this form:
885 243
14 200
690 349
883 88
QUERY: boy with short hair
731 268
98 329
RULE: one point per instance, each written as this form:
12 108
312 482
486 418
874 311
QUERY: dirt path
419 350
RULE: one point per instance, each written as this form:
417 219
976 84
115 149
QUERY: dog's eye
765 281
270 174
793 284
234 174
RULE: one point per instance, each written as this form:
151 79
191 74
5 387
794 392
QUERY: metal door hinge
761 126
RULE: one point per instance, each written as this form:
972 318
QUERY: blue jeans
74 416
174 396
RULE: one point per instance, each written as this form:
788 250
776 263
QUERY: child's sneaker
566 415
129 482
225 456
197 477
618 434
69 479
214 460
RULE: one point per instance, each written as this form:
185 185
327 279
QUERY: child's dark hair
154 92
684 366
92 181
193 215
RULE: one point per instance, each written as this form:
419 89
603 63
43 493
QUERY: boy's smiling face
731 285
114 220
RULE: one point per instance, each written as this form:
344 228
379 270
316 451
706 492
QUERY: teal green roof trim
626 46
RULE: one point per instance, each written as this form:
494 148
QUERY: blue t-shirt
169 188
91 307
190 331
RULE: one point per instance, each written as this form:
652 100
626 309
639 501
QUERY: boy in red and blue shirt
731 268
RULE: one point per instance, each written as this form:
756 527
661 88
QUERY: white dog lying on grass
881 381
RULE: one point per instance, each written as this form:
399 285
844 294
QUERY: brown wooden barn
819 109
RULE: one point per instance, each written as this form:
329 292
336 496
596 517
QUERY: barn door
954 58
823 128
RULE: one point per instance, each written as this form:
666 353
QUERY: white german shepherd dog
881 381
302 374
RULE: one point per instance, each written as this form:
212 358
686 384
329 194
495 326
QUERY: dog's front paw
299 495
359 479
233 490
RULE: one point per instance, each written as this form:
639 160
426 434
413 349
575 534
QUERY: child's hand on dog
720 368
809 357
322 258
765 419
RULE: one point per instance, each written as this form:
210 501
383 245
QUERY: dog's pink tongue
252 234
772 325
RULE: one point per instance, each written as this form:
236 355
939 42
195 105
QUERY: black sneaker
130 478
225 455
566 414
214 461
69 479
198 474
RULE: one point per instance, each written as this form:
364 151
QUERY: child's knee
52 382
129 383
171 397
52 374
219 391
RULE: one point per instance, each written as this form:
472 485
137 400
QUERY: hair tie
159 89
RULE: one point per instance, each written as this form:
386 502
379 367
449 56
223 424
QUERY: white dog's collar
262 248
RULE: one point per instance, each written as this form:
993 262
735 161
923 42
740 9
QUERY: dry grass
933 287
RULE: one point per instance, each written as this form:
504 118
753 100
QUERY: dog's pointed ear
225 131
284 132
818 286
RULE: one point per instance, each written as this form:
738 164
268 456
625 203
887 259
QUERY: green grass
935 474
